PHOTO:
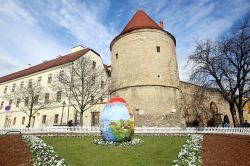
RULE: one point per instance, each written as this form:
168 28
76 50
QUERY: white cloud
199 20
85 24
22 40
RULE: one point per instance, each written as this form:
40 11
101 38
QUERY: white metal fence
138 130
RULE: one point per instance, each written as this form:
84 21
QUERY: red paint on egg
116 100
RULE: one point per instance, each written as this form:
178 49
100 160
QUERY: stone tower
145 73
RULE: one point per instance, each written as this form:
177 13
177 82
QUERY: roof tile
140 21
45 65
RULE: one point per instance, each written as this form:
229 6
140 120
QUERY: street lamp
63 105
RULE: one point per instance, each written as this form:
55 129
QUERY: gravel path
225 150
14 151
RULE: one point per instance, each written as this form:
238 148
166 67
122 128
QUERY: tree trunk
239 106
81 119
241 117
30 115
233 113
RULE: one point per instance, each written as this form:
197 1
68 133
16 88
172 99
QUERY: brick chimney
77 48
161 24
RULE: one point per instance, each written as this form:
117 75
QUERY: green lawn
155 151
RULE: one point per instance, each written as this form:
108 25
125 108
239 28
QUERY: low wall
138 131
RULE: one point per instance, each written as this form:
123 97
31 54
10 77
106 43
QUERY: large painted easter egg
117 121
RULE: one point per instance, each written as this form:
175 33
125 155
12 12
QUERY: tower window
14 121
44 119
56 118
14 87
18 102
116 56
59 96
1 106
158 49
92 99
94 64
23 120
50 79
5 89
36 98
10 102
39 80
46 101
61 75
30 83
26 101
21 85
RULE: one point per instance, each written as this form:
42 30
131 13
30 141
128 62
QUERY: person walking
226 122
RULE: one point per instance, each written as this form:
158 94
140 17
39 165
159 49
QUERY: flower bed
190 152
133 142
42 154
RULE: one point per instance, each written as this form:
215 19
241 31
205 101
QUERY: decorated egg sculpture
117 121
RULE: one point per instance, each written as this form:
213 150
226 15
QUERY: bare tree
236 51
84 83
225 65
30 98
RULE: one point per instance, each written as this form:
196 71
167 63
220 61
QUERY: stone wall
159 120
153 105
196 100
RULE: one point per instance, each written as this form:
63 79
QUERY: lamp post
63 105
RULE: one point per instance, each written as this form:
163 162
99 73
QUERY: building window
39 80
50 79
46 98
21 85
59 96
30 83
94 64
10 102
95 118
18 102
1 106
14 121
61 75
56 118
158 49
26 102
116 56
23 120
93 79
5 89
14 87
44 119
36 98
92 99
102 84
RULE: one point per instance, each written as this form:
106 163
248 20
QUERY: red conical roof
140 21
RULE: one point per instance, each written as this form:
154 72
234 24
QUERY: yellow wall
247 109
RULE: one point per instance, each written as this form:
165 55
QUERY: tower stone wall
145 73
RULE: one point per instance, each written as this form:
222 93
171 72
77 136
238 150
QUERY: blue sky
33 31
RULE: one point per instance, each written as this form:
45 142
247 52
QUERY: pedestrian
245 124
226 122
